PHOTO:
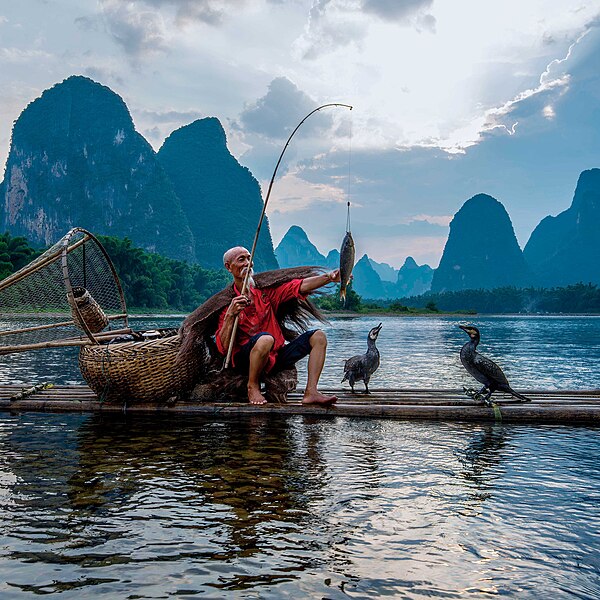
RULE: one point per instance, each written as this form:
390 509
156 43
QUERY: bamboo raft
565 407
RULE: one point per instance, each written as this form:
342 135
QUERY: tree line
151 281
577 298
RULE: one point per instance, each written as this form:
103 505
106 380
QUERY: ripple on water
119 507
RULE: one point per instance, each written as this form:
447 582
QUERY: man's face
239 263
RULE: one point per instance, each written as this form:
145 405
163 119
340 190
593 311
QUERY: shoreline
333 314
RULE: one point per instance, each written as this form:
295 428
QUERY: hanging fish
346 260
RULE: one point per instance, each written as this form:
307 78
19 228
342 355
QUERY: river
130 506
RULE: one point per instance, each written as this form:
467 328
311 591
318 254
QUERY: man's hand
237 305
334 276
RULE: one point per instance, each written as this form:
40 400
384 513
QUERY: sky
450 98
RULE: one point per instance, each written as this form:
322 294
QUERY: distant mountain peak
565 249
220 197
482 250
76 160
296 249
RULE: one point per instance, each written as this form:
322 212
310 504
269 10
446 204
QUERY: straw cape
293 316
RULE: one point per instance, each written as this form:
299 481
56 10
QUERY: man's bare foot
255 397
318 399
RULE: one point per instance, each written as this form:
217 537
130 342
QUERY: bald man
260 346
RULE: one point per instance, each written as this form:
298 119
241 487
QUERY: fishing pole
260 222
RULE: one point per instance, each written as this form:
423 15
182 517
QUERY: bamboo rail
565 407
69 342
52 325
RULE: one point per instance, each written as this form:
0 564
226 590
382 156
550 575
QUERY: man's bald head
232 254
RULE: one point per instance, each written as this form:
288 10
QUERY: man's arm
310 284
234 309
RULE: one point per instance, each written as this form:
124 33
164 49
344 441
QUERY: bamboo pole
260 222
81 341
62 324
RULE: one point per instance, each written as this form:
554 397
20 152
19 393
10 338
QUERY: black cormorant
362 366
483 369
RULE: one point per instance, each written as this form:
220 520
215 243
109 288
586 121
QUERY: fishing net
68 296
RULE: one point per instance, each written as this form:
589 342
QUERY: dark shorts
287 356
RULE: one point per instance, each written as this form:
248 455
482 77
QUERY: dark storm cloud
279 111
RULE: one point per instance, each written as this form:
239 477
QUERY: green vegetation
355 304
15 252
579 298
154 283
151 281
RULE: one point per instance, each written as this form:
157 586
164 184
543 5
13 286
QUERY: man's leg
259 355
316 360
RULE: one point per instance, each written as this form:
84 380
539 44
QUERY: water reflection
481 460
299 507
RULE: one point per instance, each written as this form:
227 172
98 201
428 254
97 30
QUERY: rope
497 413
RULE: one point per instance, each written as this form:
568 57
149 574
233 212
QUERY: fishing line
349 170
348 219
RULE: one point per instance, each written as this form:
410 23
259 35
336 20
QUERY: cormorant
362 366
483 369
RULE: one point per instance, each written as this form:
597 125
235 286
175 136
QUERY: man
260 345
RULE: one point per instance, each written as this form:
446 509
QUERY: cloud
277 113
145 27
553 83
154 134
138 31
104 75
404 12
209 12
294 194
441 220
413 227
334 24
170 116
88 23
17 55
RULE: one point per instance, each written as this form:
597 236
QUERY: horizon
486 103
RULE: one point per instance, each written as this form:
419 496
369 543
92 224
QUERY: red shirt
260 316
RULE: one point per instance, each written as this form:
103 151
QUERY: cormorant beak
375 331
463 327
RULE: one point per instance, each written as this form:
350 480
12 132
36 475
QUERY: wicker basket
139 372
88 310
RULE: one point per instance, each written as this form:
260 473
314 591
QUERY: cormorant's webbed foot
487 399
477 395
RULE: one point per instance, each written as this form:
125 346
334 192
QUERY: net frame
65 266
